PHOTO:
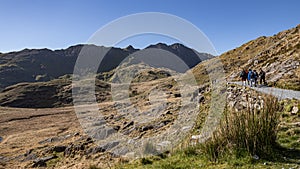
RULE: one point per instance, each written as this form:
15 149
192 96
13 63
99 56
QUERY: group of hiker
250 77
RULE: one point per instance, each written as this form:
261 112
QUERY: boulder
177 95
147 127
68 150
94 150
99 133
110 145
201 99
295 110
102 148
59 149
128 124
30 157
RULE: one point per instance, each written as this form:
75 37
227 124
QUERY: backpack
242 74
252 76
262 74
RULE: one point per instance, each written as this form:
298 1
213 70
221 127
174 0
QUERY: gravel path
279 93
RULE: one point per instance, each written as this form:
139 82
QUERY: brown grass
251 132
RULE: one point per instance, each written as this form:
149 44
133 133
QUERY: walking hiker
249 77
246 76
254 77
262 77
243 76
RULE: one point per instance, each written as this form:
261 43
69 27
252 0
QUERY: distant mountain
39 65
190 56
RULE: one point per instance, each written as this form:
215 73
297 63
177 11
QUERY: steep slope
278 55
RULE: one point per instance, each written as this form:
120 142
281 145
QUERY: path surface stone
279 93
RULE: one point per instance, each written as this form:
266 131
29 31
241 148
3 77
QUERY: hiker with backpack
249 77
243 76
262 77
254 77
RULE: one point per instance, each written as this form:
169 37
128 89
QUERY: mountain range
38 65
28 76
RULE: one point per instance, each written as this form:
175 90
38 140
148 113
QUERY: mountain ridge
35 65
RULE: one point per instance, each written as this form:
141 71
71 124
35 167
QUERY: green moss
53 162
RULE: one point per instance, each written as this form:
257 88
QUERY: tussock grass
248 132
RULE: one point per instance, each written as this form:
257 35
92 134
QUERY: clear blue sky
57 24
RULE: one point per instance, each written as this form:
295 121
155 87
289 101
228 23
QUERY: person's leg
260 80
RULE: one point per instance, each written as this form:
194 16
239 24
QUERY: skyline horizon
58 24
135 46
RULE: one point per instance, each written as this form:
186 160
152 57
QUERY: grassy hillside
278 56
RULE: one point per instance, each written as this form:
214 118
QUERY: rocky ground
54 137
64 138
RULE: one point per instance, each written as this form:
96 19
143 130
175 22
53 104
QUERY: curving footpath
279 93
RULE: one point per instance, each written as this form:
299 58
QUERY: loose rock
295 110
59 149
